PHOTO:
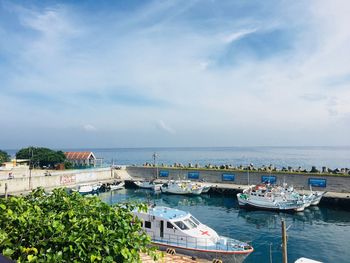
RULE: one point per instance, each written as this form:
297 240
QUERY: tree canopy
64 227
40 156
4 157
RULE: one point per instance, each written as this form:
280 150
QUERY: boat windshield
181 225
190 223
195 220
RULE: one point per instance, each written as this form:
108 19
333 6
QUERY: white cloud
164 127
89 128
171 60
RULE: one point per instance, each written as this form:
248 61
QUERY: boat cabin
169 225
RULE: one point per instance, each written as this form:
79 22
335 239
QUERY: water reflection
318 232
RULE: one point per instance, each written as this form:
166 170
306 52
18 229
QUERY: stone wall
301 181
68 178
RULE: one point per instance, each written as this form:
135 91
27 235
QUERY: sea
302 156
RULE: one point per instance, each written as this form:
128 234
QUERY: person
11 176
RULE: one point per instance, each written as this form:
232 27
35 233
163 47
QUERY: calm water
332 157
319 233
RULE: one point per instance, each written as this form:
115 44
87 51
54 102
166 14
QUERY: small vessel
306 260
116 186
262 197
89 189
179 230
181 187
146 184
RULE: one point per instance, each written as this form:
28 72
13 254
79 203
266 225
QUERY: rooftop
167 213
78 155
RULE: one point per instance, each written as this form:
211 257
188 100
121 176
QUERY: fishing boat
261 197
181 187
176 229
146 184
116 186
89 188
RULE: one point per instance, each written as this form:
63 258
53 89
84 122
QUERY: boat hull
224 256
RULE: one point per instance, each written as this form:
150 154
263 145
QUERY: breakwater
232 181
24 182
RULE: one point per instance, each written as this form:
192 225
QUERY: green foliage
4 157
68 165
64 227
40 156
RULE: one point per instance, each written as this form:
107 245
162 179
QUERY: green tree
40 156
4 157
64 227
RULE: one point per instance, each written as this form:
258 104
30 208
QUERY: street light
154 164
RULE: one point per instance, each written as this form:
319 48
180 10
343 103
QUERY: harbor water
320 233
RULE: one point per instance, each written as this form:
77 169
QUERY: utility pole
5 190
30 169
248 177
284 242
154 164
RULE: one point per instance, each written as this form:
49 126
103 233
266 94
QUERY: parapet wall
68 178
331 183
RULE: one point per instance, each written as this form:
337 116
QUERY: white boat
89 188
306 260
146 184
181 187
316 197
179 230
261 197
85 189
117 186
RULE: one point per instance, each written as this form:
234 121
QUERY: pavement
177 258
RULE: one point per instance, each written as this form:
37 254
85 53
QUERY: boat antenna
155 155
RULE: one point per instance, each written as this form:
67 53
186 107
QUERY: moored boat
261 197
179 230
181 187
146 184
116 186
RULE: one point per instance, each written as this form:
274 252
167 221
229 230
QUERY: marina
320 232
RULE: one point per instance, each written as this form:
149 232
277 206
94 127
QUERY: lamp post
154 164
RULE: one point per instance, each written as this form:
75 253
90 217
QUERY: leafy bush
64 227
4 157
40 156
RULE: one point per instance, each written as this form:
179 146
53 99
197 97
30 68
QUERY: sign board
268 179
163 173
317 182
67 179
193 175
228 177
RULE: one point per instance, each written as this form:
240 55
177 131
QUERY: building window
147 224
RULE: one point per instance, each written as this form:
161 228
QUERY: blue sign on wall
268 179
193 175
228 177
163 173
317 182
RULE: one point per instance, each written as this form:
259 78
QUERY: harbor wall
69 178
331 183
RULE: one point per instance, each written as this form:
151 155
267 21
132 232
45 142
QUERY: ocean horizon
278 156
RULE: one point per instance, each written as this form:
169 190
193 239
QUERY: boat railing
221 244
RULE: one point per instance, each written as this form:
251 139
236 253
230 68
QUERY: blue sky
174 73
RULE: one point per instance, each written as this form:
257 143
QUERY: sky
174 73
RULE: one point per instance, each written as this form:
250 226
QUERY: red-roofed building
81 158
